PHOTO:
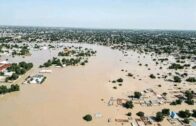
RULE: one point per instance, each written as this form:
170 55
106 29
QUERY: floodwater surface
70 93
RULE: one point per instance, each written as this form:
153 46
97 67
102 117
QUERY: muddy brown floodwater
70 93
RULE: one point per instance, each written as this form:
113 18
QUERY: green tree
14 87
152 76
184 114
87 117
128 105
166 112
119 80
3 89
137 95
186 120
159 116
189 95
13 77
177 79
140 114
191 79
129 114
194 113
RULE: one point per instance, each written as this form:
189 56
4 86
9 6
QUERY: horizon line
98 28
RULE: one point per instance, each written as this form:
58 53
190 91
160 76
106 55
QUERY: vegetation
120 80
137 95
18 69
13 77
159 116
183 42
184 114
194 113
88 117
114 87
186 120
55 61
73 61
194 67
130 74
140 114
24 51
191 79
77 51
177 102
15 48
129 114
189 94
176 66
189 97
74 56
4 89
177 79
152 76
1 73
180 44
190 102
165 112
128 105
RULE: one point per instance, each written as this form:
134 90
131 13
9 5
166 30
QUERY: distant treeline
158 41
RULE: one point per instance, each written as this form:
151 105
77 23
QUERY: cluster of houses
9 52
150 98
36 79
173 119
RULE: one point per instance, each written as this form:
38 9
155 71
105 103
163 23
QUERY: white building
37 79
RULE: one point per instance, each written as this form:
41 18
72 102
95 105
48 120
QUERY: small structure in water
45 71
36 79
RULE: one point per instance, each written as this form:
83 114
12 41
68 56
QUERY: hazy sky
129 14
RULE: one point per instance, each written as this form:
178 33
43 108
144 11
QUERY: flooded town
106 83
98 63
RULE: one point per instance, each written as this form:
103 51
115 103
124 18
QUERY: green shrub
137 95
194 113
166 112
177 79
152 76
4 89
176 66
129 114
119 80
191 79
140 114
186 120
87 117
184 114
177 102
190 102
128 105
159 116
